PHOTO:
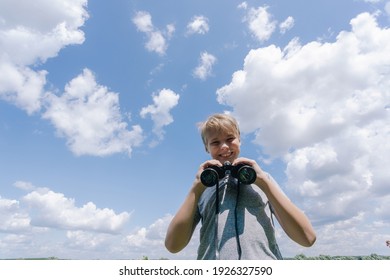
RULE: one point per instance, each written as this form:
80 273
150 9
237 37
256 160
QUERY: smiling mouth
226 155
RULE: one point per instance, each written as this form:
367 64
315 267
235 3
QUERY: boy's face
223 146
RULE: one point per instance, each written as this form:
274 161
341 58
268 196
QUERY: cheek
213 152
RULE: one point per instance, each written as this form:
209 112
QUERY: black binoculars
244 173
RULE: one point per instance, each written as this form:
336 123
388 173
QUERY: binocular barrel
244 173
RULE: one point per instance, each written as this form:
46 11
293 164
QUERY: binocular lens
247 175
209 177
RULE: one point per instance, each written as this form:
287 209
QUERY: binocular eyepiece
244 173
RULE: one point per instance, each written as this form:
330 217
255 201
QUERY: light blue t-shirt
254 223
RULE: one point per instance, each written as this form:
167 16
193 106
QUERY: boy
245 227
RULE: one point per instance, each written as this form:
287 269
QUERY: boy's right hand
202 167
205 165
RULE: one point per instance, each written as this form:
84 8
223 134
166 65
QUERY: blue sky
100 100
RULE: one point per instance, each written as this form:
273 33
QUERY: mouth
226 155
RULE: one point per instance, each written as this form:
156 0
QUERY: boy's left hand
259 172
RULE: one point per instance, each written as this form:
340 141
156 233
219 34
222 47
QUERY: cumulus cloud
324 109
260 23
151 239
54 210
198 25
27 226
81 232
29 36
12 217
157 40
205 67
160 110
88 116
154 235
89 241
356 236
22 86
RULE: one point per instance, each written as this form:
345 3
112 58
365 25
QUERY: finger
244 161
209 163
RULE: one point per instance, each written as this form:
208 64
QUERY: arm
293 221
182 226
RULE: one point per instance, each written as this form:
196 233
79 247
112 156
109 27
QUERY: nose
224 145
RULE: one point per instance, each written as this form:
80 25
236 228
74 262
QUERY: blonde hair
218 123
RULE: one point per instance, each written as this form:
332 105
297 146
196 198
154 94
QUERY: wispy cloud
286 25
260 23
157 40
205 67
198 25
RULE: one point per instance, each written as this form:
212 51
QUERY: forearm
182 225
293 221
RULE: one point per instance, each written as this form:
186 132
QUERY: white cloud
286 25
205 67
350 237
54 210
314 91
22 86
243 5
143 21
156 39
160 111
36 31
324 109
151 239
260 23
89 241
46 223
88 116
12 218
198 25
152 236
30 33
27 186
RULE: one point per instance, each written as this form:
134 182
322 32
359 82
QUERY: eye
214 143
231 139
